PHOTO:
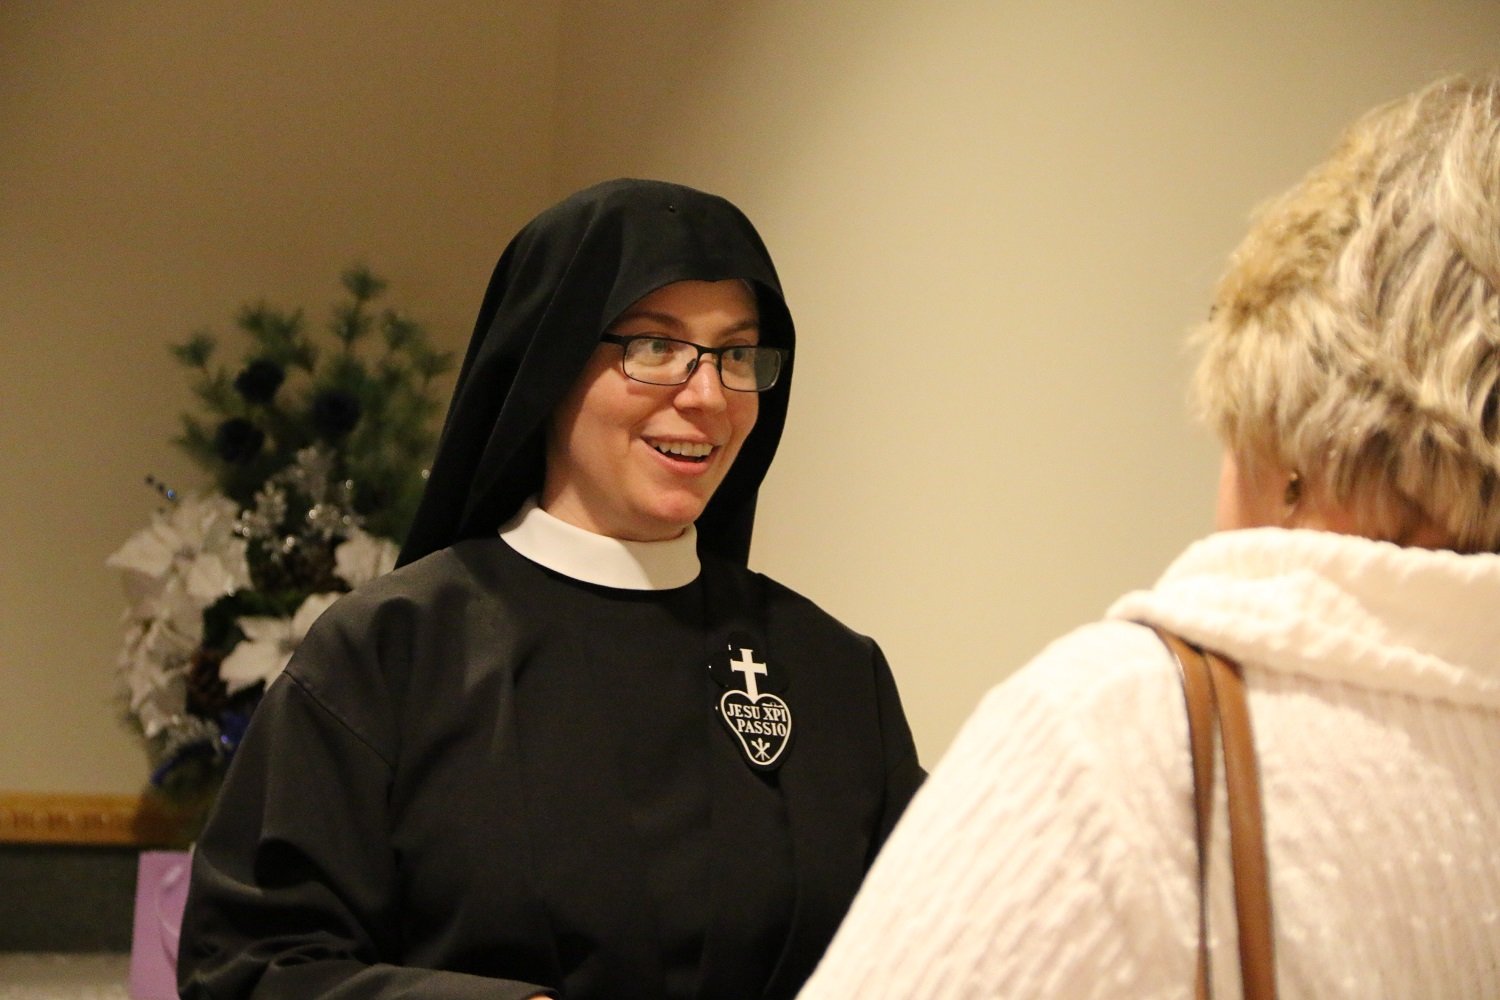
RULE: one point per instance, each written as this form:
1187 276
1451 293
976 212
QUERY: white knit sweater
1050 854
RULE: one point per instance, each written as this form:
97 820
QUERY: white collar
591 558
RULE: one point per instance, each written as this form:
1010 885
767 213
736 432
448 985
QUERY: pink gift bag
160 894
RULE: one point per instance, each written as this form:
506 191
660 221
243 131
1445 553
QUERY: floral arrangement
317 452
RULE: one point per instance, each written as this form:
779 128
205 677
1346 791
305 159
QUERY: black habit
481 776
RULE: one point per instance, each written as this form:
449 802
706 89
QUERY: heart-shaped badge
762 724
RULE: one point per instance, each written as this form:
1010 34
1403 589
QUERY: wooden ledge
102 820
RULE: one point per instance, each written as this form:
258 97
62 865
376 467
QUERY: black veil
558 285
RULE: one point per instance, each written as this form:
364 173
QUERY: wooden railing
61 818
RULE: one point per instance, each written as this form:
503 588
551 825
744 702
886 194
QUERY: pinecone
312 567
307 566
206 693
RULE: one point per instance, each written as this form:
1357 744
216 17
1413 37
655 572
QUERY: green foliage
278 336
196 350
363 389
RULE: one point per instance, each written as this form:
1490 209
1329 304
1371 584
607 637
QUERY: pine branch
196 351
362 283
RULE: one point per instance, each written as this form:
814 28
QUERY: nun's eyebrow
668 320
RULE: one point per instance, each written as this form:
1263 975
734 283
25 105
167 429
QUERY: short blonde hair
1355 337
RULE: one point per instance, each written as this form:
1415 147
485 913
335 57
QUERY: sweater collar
1337 607
599 559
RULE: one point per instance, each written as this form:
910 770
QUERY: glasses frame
781 354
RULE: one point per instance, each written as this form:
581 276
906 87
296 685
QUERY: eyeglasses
664 361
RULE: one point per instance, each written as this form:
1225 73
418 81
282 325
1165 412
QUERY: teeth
685 449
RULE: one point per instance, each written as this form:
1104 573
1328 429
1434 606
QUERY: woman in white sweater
1350 366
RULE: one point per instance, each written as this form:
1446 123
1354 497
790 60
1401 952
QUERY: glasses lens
658 360
750 369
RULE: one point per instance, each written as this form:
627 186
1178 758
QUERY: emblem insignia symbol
759 720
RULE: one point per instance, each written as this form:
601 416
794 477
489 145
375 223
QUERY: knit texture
1051 853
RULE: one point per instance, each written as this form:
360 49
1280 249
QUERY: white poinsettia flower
153 670
155 658
174 607
192 543
363 557
269 643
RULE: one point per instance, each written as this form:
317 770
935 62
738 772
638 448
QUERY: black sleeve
903 773
294 889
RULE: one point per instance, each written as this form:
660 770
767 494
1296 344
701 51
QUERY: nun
573 746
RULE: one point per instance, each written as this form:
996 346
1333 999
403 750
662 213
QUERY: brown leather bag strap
1247 831
1197 691
1214 690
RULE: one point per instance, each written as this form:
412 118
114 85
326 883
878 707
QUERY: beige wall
994 222
160 164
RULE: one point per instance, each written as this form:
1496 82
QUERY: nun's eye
656 350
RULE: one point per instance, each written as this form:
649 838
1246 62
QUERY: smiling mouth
684 451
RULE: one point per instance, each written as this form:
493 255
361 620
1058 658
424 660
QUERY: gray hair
1355 337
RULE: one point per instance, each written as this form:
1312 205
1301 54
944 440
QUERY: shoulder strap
1214 689
1247 831
1198 694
